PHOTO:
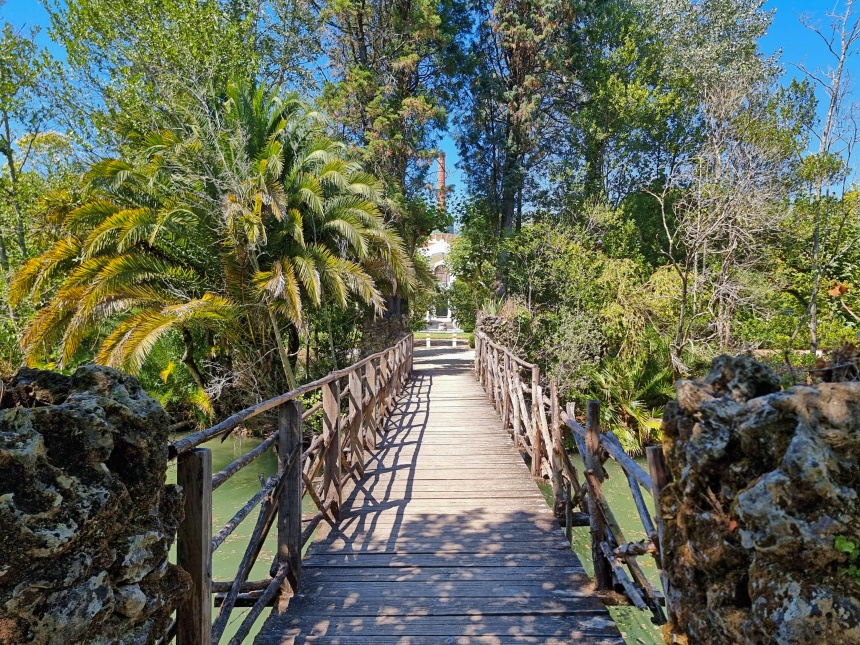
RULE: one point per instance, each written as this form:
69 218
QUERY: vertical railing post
479 357
411 353
290 500
506 391
556 448
370 424
568 528
515 387
593 477
491 375
331 430
389 384
383 386
194 547
660 478
537 439
484 347
398 374
498 374
356 409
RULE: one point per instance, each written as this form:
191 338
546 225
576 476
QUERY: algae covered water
635 625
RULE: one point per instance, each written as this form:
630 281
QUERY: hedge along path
445 539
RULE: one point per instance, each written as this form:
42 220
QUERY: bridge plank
447 539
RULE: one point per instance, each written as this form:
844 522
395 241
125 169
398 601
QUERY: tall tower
440 182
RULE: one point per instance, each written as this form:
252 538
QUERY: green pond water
635 625
228 499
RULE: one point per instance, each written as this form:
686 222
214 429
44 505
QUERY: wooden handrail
538 431
504 350
193 440
339 453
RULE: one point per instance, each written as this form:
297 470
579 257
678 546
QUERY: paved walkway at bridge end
446 541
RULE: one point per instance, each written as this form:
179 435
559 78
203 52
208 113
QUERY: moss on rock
764 481
86 520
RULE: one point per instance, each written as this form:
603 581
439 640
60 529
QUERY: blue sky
796 43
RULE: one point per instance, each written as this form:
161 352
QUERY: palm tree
231 226
307 219
634 389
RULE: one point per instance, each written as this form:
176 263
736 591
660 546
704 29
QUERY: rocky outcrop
764 482
86 520
500 329
379 334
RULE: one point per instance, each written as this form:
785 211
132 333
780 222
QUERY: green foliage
577 344
641 197
229 227
394 78
129 65
465 300
852 550
633 389
10 355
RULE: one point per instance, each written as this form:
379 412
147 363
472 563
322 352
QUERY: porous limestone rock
764 481
379 334
86 520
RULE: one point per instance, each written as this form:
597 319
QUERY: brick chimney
440 182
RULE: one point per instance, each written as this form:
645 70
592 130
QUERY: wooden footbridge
430 525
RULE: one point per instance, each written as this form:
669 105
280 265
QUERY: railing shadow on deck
413 395
436 590
539 426
498 556
355 403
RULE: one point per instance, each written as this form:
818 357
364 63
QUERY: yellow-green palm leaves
306 215
234 224
125 260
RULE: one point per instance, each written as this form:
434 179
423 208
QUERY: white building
436 251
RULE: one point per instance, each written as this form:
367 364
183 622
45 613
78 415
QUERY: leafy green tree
509 100
834 222
394 69
25 71
131 65
634 388
394 79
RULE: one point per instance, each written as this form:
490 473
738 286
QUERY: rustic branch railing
351 420
538 427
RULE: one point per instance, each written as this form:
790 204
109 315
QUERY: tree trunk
508 213
677 343
308 356
594 155
282 351
13 181
835 91
4 265
331 339
394 306
519 226
816 280
188 358
4 258
294 346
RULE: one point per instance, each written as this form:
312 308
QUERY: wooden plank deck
447 539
